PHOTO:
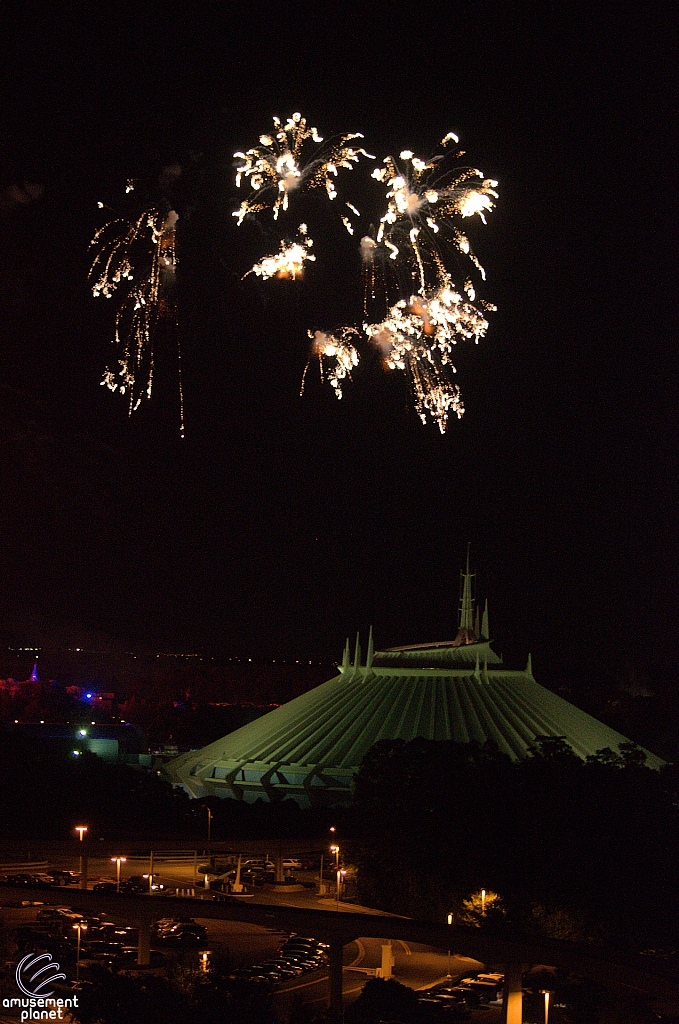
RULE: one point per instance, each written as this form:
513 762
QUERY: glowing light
338 351
289 262
293 157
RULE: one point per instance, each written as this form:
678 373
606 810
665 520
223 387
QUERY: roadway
308 914
416 965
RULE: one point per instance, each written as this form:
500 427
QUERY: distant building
121 743
311 748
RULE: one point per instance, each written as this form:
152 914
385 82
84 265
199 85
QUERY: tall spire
371 651
357 654
466 634
346 657
485 628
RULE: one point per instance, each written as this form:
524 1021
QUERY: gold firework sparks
339 352
289 261
121 246
417 337
293 157
424 199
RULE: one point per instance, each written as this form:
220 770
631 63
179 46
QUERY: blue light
89 696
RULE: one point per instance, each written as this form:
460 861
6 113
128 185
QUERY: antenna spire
371 650
466 634
357 654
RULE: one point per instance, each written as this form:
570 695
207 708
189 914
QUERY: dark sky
280 524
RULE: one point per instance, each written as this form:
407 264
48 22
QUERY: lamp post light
483 903
209 822
118 861
81 830
340 879
545 993
80 927
335 849
450 922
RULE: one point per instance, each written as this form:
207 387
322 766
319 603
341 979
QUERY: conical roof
312 747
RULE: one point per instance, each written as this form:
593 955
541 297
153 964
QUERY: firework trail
137 259
293 158
289 261
339 352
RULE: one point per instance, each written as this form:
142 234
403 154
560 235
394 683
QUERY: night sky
281 524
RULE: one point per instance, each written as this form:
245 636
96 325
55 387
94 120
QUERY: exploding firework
139 259
417 338
293 158
289 261
425 198
339 352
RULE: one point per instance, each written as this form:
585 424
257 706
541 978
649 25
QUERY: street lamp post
450 922
335 849
483 903
80 927
118 861
545 993
81 830
209 822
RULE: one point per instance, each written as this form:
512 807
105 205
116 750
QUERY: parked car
20 879
165 923
51 913
258 864
65 877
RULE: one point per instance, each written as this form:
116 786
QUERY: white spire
466 633
466 609
345 657
529 666
357 653
371 651
485 629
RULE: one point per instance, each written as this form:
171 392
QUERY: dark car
65 877
192 935
20 879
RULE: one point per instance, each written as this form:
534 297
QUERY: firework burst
339 352
417 337
294 157
137 258
289 261
425 199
